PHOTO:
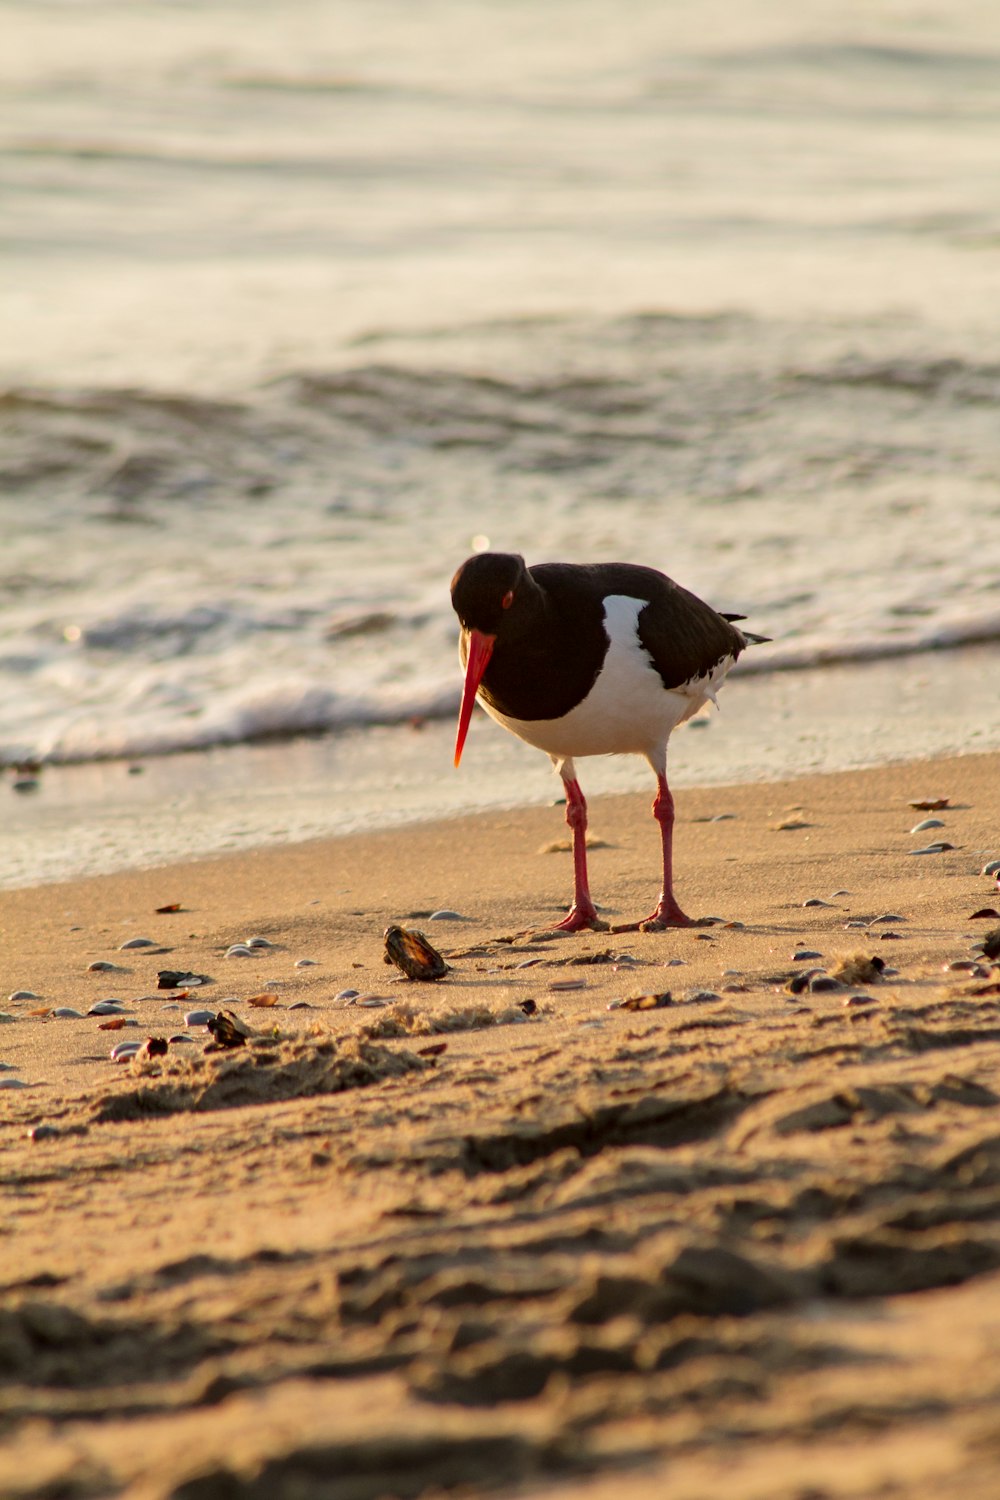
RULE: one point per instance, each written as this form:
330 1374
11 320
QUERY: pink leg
667 913
583 912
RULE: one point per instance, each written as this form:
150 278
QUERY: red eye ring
507 600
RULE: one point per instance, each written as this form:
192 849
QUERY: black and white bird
591 660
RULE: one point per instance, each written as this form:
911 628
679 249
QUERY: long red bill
480 651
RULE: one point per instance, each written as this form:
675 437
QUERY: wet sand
746 1238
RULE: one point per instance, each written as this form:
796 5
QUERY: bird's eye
507 600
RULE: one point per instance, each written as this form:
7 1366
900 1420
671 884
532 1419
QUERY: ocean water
302 304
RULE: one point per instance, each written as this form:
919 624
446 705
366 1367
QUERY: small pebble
178 1037
886 917
823 983
124 1050
258 942
855 1000
927 823
671 963
815 901
199 1017
239 950
444 915
67 1013
23 995
138 942
855 923
960 965
346 995
801 954
306 963
106 1008
43 1133
301 1005
102 966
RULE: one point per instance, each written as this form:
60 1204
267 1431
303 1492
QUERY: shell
410 951
228 1030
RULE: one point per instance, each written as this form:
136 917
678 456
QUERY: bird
591 659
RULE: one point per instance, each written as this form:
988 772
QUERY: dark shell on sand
413 954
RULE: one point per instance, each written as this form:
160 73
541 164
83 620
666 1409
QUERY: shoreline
96 818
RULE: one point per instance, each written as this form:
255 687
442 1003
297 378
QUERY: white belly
628 710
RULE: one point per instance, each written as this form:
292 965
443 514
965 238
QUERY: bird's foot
666 915
580 919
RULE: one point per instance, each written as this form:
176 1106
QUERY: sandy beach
742 1236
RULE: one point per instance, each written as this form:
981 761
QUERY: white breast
628 710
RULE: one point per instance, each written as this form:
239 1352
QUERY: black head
485 587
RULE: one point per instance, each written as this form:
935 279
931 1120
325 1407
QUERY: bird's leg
583 912
667 913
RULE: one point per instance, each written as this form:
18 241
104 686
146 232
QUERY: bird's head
484 593
485 588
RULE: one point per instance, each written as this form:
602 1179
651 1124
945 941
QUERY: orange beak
480 651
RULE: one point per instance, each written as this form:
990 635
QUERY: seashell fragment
306 963
926 823
178 979
106 1008
410 951
13 1083
816 901
802 954
199 1017
124 1050
938 848
170 906
445 915
23 995
239 950
228 1030
67 1013
258 942
102 966
823 983
648 1002
983 912
930 804
138 942
992 867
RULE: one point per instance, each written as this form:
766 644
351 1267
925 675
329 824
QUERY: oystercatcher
598 660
